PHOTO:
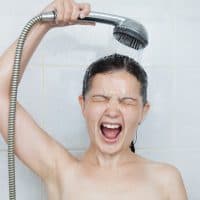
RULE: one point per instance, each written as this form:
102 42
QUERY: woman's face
114 97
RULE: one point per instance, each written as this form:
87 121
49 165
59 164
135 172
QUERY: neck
100 159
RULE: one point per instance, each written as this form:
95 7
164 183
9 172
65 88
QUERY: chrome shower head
131 34
127 31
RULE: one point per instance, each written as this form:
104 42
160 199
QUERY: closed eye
99 98
129 101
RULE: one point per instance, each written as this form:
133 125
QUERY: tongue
110 132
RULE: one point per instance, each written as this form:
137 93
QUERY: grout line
149 148
174 138
42 189
171 149
174 123
77 66
146 65
73 66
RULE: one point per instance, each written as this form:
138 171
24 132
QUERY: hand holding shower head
126 31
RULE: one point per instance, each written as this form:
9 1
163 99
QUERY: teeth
111 125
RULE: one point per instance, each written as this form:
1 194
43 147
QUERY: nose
113 109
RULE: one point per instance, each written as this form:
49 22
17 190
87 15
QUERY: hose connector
48 16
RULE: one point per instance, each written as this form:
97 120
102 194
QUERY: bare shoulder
165 169
169 176
173 181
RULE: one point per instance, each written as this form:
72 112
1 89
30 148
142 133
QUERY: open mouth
110 131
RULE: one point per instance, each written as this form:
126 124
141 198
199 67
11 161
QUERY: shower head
127 31
131 34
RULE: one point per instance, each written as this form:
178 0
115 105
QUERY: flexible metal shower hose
13 98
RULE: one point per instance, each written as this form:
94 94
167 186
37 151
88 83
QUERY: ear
146 108
82 103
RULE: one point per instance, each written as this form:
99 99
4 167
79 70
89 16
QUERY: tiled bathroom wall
53 80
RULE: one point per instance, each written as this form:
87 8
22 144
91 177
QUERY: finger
60 12
86 23
75 13
84 9
68 11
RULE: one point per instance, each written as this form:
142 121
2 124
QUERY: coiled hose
50 16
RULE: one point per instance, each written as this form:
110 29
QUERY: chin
108 149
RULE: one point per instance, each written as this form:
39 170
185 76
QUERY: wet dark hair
113 63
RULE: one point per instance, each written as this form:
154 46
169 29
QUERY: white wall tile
189 9
186 43
76 46
28 184
10 30
160 50
24 9
3 175
157 130
187 108
151 10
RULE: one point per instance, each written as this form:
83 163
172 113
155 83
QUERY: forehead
117 82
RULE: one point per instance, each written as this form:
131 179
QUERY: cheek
93 113
132 116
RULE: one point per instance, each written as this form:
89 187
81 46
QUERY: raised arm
33 145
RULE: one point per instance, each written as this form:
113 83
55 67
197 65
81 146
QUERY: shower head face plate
131 34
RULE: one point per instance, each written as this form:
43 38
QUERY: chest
98 186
